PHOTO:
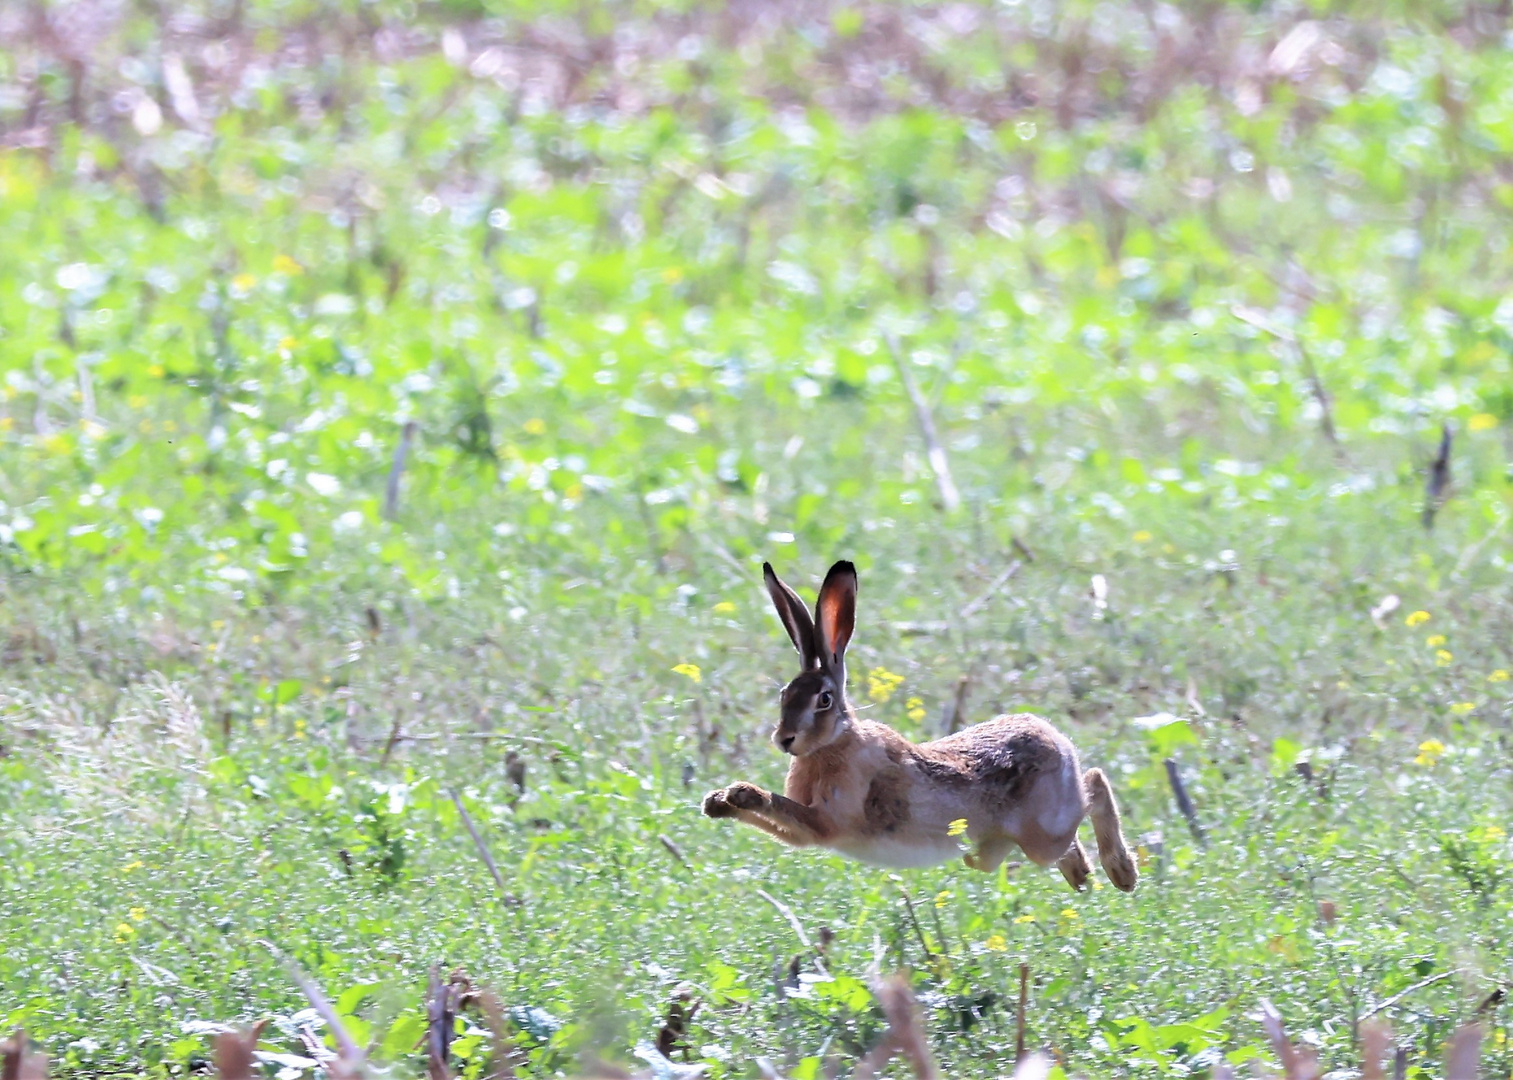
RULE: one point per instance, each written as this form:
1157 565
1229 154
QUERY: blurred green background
394 395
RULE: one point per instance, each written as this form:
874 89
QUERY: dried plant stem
1315 384
975 605
350 1054
1185 802
488 859
1024 1004
396 470
793 921
950 498
1395 998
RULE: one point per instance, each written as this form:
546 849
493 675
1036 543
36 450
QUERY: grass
635 274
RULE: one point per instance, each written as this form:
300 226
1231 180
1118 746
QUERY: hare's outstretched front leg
777 815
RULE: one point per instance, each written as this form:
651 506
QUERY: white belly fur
897 853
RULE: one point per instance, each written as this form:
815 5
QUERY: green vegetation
1188 293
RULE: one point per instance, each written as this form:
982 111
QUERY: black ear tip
768 571
845 566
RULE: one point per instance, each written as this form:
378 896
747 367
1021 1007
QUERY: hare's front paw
717 806
745 796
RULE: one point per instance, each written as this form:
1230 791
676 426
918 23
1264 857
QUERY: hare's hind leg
1074 866
1113 853
990 853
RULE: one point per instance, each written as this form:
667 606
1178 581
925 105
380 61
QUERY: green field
397 396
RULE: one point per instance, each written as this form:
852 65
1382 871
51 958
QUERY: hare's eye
826 700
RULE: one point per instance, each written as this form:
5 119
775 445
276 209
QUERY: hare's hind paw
1074 866
988 857
716 805
1121 871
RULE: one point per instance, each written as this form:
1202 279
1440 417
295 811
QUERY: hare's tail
1113 853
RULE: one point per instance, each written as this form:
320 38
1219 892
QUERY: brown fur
887 807
861 788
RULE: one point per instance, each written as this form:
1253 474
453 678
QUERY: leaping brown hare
864 790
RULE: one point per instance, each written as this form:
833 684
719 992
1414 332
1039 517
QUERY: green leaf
348 1001
1285 753
403 1034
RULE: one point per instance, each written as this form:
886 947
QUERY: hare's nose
787 743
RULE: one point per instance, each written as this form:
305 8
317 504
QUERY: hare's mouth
786 742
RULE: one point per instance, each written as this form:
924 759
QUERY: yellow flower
287 343
1500 675
691 670
1025 919
136 864
672 275
1434 639
881 683
1461 708
1069 913
724 607
124 931
957 827
1442 657
155 370
137 914
1429 752
1482 421
243 283
942 897
1142 537
1418 618
915 709
299 728
535 426
996 943
282 264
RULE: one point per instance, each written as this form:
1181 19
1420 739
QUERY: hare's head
815 710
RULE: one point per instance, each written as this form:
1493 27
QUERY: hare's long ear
835 616
794 615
